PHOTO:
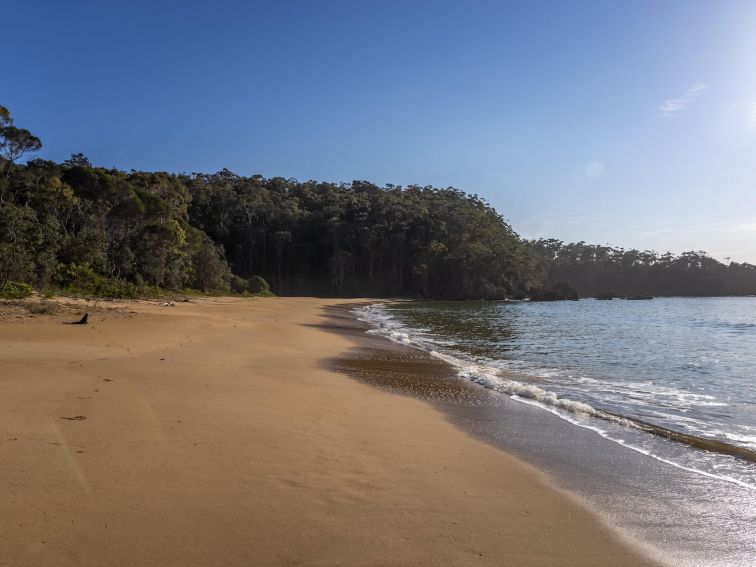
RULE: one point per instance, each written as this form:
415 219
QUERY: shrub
82 279
42 308
77 277
238 284
16 290
258 285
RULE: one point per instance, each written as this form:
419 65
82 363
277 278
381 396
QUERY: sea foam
579 413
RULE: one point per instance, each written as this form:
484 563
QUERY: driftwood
83 321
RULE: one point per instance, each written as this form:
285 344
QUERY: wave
606 435
483 376
493 379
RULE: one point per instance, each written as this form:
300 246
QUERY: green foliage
605 271
5 117
209 270
15 290
78 276
20 243
238 284
360 239
81 279
254 286
112 233
257 285
14 143
265 293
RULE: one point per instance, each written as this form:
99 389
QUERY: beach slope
211 433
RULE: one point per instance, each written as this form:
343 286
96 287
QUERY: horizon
632 126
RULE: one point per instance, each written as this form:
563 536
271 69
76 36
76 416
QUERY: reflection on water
683 367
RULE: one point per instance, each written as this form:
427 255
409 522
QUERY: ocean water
671 381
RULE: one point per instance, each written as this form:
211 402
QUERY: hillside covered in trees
71 226
592 270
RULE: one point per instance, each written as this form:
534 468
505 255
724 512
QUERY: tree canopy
69 224
593 270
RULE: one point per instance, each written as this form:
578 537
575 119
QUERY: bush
82 279
77 277
238 284
16 290
42 308
258 285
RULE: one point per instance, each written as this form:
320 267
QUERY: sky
631 124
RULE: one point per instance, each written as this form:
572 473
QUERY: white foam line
622 442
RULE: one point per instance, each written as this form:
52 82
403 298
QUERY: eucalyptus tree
14 143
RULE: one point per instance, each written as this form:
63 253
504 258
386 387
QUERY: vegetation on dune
82 229
15 290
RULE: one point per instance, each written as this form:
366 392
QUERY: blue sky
627 123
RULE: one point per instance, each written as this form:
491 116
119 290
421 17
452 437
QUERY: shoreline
210 432
677 514
482 414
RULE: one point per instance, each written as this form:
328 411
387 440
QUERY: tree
121 229
209 270
593 270
77 160
14 143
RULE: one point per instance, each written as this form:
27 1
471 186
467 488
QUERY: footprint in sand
74 418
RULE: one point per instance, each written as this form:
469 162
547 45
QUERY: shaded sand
210 433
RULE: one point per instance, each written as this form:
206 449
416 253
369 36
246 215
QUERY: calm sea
672 380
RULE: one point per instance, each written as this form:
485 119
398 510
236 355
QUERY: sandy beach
213 433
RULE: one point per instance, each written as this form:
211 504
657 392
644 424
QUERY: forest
72 227
594 270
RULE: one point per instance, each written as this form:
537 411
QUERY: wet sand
682 518
218 433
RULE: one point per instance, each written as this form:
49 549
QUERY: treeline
72 226
595 270
360 239
66 225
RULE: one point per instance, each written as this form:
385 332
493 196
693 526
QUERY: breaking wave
578 413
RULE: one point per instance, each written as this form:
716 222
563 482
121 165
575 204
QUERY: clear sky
629 123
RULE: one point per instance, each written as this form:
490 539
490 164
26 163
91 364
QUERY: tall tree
14 143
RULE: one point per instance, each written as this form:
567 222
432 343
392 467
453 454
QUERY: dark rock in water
639 297
561 292
605 296
567 291
545 295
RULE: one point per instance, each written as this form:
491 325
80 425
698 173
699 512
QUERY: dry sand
214 435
